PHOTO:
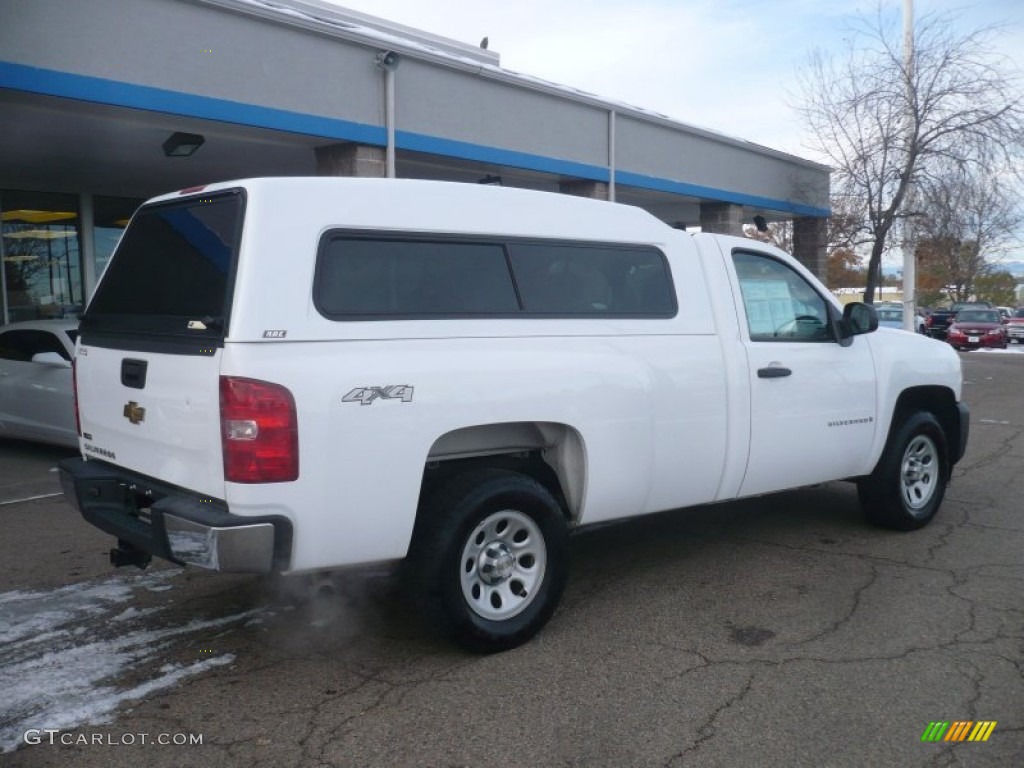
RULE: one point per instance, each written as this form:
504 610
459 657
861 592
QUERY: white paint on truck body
669 412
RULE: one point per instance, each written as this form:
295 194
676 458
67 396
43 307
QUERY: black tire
489 558
906 488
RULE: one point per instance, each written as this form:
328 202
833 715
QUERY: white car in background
36 400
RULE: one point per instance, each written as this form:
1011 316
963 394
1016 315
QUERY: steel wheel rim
503 564
919 473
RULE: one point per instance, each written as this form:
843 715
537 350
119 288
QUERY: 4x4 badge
366 395
134 412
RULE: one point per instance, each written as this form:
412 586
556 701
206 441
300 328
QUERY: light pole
909 246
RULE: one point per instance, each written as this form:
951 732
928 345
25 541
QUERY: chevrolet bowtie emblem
134 412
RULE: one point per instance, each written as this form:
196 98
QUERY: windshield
977 316
890 314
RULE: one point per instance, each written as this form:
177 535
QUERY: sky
728 65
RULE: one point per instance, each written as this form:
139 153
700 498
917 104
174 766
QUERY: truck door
813 410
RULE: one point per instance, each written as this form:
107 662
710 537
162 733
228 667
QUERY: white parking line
31 498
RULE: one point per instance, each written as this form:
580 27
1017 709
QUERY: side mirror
51 359
857 319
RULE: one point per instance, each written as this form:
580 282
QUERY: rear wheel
906 488
488 561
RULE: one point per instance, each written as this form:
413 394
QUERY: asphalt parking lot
780 631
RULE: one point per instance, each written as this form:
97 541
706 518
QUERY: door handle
773 372
133 373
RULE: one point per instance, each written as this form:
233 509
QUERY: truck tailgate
157 414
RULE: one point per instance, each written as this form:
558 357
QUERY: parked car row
964 328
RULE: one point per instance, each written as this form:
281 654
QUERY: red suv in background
974 328
1015 326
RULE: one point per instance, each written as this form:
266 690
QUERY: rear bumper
174 524
983 342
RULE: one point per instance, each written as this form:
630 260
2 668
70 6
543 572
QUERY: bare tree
846 224
777 233
967 220
881 123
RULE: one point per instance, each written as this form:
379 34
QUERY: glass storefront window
110 217
40 250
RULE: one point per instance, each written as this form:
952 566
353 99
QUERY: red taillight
928 321
259 431
74 394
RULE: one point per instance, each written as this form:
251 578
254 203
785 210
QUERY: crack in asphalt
401 690
708 730
858 594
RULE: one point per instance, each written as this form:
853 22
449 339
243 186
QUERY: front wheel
906 488
488 560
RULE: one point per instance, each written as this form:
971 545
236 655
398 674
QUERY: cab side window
780 304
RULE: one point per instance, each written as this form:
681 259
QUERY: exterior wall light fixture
182 144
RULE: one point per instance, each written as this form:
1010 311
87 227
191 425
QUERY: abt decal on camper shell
367 395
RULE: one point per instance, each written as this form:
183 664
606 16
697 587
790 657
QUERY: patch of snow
26 614
1012 349
63 650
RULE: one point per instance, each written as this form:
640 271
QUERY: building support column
351 160
596 190
810 241
721 218
87 245
611 155
4 319
389 115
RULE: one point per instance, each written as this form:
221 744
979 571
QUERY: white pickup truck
294 375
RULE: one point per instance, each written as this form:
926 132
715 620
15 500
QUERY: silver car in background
891 316
36 398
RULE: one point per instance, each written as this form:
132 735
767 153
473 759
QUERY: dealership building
104 104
